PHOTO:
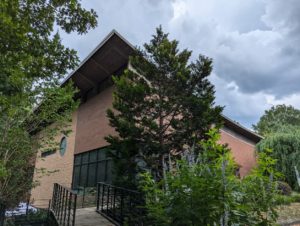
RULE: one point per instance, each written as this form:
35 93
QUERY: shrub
286 200
202 190
283 188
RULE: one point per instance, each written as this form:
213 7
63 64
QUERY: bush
283 188
286 200
202 190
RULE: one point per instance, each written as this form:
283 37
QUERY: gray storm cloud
254 44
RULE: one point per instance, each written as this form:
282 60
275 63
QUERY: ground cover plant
202 190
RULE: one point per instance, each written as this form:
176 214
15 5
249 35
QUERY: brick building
82 159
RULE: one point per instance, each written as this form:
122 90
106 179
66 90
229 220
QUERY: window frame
88 163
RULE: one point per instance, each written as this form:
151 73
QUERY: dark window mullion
105 175
96 173
80 170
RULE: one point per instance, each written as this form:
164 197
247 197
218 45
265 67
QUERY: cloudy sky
255 44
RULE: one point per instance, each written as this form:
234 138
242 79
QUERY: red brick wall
242 151
92 123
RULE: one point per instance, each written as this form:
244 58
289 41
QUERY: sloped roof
112 53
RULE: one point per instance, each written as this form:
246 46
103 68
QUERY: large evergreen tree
275 117
163 103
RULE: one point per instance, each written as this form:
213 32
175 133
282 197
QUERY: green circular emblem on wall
63 146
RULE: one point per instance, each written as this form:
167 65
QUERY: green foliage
276 117
25 134
286 200
163 103
33 61
203 191
33 217
286 145
28 49
284 188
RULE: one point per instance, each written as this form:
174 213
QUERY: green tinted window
92 175
109 171
92 167
85 157
101 171
77 159
93 156
83 175
101 153
76 176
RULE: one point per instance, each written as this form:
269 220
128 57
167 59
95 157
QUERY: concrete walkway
89 217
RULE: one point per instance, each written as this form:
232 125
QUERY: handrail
113 186
119 205
64 202
69 189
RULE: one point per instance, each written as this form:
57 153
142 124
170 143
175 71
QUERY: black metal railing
86 196
119 205
2 213
64 205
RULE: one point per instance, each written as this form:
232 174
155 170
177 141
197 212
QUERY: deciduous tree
275 117
33 61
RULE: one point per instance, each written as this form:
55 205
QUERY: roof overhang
240 129
111 54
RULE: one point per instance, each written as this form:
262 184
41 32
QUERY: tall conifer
162 104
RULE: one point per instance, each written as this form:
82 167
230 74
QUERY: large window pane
109 171
101 171
83 175
85 157
92 175
77 159
101 154
93 156
76 176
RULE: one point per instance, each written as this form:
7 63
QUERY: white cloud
254 44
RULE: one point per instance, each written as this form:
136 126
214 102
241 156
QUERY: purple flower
226 217
221 222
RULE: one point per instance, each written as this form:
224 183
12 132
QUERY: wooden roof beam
117 49
99 66
95 84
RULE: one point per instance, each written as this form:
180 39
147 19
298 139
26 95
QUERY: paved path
89 217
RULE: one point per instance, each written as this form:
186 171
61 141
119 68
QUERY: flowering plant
203 190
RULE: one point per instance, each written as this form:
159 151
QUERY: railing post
74 212
108 188
2 217
70 204
27 207
121 207
62 205
98 195
114 204
53 197
83 195
48 212
59 201
66 202
140 210
102 198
